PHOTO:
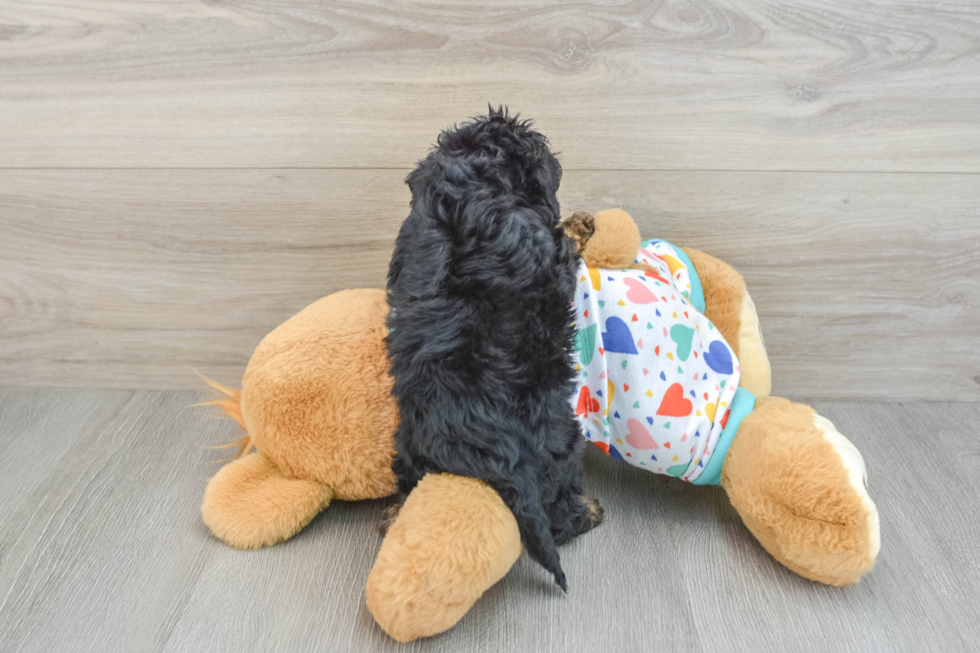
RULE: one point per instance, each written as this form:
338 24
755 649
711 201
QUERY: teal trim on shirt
742 405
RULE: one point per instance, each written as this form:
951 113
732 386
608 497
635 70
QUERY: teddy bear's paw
798 485
857 475
250 503
452 540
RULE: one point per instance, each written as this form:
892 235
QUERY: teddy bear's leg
250 503
730 308
452 540
800 487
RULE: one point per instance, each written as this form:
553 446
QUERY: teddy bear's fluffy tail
230 402
250 503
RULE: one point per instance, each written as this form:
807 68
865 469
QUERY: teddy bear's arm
611 238
730 308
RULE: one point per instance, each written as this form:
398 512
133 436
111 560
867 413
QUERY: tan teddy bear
316 404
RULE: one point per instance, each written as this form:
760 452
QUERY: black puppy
481 286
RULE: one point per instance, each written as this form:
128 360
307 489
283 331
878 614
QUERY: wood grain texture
709 84
102 548
868 286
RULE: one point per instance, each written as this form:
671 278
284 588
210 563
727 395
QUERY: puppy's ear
579 227
547 169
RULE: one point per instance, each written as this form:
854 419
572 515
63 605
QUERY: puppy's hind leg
571 513
388 517
521 492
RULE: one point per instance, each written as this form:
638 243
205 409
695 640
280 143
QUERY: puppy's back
480 287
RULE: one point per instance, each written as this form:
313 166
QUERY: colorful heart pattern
638 436
719 357
682 336
585 343
653 372
617 337
674 403
638 292
586 404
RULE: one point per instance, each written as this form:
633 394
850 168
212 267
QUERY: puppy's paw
579 227
594 511
388 517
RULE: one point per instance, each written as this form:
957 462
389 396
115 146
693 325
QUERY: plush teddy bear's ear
250 503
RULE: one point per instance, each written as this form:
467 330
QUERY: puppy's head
497 155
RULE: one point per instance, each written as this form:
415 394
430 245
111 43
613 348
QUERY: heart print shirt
655 379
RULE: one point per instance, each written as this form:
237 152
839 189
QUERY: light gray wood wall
799 84
178 178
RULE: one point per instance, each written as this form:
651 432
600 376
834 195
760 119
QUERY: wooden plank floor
102 549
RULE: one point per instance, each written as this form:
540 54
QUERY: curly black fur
480 286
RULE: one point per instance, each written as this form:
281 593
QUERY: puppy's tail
534 525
